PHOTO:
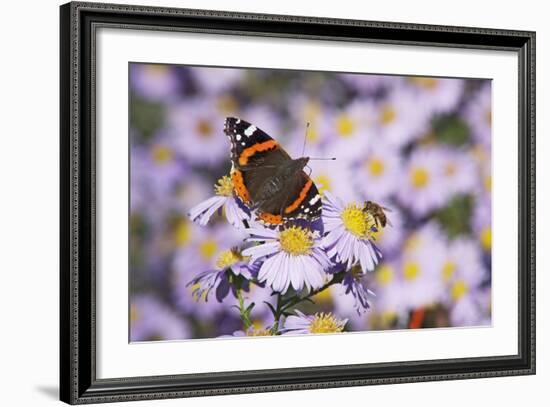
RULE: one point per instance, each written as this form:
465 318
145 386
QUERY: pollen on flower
253 331
459 289
384 274
323 183
182 233
228 258
486 238
296 240
161 154
207 249
375 166
426 83
357 221
387 115
419 177
326 323
345 125
224 186
411 270
449 269
204 128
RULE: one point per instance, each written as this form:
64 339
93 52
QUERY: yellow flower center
411 270
325 323
258 332
357 221
182 233
204 128
384 274
387 115
312 134
134 314
227 104
419 177
156 70
208 248
486 238
450 169
488 183
345 126
459 289
323 183
323 297
488 116
161 154
448 270
375 166
227 258
224 186
412 243
296 240
426 83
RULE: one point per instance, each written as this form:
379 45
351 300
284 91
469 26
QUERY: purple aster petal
204 210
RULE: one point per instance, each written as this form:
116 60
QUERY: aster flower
291 257
350 234
228 262
195 129
225 198
425 185
151 320
399 118
252 331
216 80
421 266
320 323
441 95
478 114
368 83
355 285
378 171
155 82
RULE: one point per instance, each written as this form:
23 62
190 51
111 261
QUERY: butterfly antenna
305 139
322 158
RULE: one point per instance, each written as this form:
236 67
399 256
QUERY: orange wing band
256 148
270 218
301 198
240 188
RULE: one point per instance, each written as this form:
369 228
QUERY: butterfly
267 179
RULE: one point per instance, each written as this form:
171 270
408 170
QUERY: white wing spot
238 137
250 130
243 144
238 121
306 210
314 200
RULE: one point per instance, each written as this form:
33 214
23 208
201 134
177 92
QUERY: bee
377 212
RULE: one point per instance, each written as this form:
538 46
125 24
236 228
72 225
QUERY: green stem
247 323
296 300
277 315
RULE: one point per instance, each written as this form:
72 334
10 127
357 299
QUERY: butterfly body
267 179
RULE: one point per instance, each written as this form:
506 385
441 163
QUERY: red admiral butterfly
266 178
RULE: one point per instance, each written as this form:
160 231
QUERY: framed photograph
256 203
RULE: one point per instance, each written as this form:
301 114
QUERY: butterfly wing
255 157
301 200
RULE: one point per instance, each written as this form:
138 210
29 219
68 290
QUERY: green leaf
455 217
452 130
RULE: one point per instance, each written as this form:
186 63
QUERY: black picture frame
78 382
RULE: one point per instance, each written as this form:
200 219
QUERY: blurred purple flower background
420 147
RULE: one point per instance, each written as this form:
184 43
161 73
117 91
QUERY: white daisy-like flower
224 199
320 323
350 234
291 257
